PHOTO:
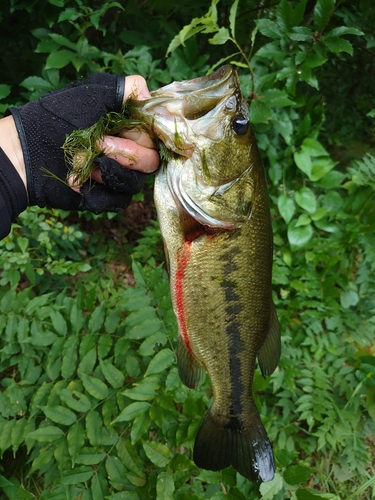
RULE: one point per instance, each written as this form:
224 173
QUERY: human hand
134 150
43 125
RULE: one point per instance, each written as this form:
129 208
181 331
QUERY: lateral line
182 262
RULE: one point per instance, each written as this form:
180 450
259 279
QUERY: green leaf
136 479
46 434
165 486
115 469
221 37
131 411
75 439
4 90
305 198
284 457
232 18
349 298
260 112
17 434
41 339
297 474
270 489
320 168
140 427
323 10
275 98
94 428
303 220
36 83
87 364
69 359
299 236
97 319
336 45
44 457
160 362
186 33
112 320
79 475
286 207
147 348
60 414
59 59
144 329
76 318
4 482
271 50
301 34
104 345
58 322
284 15
306 494
113 375
140 315
269 28
63 41
144 390
158 453
303 162
313 147
23 243
99 488
129 456
94 386
86 458
344 30
75 400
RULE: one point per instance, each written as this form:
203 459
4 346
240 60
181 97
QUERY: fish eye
240 125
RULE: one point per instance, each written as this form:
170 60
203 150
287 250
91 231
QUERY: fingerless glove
13 196
43 126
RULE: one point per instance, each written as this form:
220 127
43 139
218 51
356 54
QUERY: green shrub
91 405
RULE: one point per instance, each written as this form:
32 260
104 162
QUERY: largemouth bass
213 208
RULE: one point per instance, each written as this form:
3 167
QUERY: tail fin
245 446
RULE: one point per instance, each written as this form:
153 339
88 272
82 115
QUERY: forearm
13 196
11 145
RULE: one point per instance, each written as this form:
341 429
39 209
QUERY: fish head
205 124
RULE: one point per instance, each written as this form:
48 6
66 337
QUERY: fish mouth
173 111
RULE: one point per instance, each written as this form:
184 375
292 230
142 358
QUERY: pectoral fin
191 372
269 353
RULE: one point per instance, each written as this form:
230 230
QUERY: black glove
43 125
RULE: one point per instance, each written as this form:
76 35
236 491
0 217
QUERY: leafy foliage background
91 406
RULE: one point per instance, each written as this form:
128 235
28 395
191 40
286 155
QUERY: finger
72 182
131 155
141 138
96 175
136 88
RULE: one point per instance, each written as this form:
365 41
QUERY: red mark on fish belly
182 261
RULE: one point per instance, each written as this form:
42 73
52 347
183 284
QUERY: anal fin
191 372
